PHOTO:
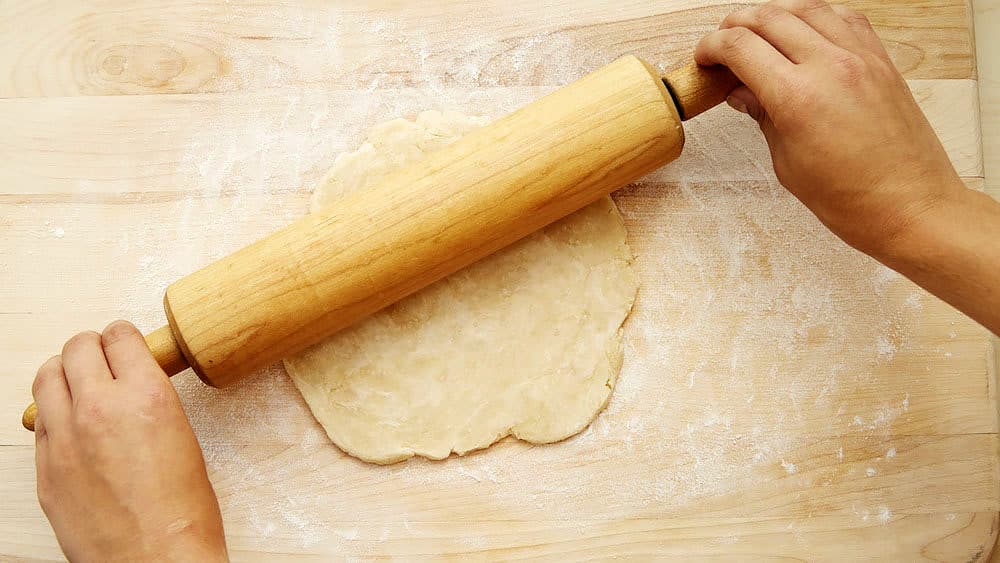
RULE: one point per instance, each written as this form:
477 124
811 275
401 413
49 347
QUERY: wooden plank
577 507
936 537
987 14
108 148
987 30
68 48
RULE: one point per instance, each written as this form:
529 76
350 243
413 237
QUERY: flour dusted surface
752 322
524 342
714 396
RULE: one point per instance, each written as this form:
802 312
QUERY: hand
120 474
846 136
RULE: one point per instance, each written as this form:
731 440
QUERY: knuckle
734 39
853 18
49 370
737 18
815 4
86 338
800 7
848 66
154 397
117 330
766 14
91 415
856 18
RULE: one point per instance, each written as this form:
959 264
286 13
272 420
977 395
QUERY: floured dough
525 342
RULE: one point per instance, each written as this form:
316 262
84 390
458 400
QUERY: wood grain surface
987 23
783 396
111 47
987 27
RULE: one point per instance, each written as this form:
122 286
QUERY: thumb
743 100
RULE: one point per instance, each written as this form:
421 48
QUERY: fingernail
737 104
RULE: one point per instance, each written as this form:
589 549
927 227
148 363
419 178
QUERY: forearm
953 251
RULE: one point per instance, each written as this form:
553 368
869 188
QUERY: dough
525 342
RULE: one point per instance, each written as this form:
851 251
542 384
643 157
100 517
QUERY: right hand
845 134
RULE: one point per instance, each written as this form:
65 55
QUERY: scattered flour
752 321
881 513
884 515
677 429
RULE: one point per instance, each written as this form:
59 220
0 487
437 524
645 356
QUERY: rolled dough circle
526 342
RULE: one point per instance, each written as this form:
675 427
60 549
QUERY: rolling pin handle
696 89
165 351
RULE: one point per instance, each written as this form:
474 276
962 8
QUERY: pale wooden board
466 520
751 419
121 147
987 30
987 19
111 47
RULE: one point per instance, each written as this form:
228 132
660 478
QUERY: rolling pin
487 190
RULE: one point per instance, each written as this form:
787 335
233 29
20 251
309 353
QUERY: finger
821 17
863 29
52 397
796 39
743 100
752 59
84 363
127 353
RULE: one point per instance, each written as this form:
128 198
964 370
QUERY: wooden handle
699 88
165 350
486 191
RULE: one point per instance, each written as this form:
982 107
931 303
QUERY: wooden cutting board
782 395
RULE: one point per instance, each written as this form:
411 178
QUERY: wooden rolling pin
492 187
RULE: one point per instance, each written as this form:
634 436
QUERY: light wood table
782 396
987 26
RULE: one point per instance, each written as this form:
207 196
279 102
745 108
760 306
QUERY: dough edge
613 358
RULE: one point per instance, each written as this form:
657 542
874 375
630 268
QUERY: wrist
206 551
185 550
920 230
188 541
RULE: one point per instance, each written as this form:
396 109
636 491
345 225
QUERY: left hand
120 473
